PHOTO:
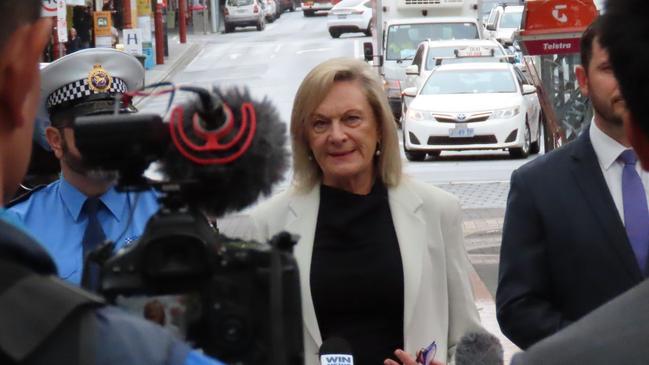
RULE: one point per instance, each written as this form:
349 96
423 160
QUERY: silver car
242 13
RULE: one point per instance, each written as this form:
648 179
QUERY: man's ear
638 137
55 140
582 79
19 71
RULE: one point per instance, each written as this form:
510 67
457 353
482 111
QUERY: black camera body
243 297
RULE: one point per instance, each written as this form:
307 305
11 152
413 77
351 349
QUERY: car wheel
523 151
334 33
292 8
308 12
435 153
228 28
535 147
260 25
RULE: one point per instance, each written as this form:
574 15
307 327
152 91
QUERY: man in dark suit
565 248
615 333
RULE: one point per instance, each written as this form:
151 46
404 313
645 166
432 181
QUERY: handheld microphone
479 348
336 351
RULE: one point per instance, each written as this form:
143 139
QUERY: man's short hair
593 31
625 34
14 13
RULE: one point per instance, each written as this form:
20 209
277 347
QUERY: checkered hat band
80 89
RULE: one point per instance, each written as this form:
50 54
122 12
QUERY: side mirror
368 51
528 89
491 27
412 70
410 92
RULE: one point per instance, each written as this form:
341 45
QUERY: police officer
44 320
75 213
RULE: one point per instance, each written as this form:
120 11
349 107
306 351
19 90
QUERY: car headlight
413 114
505 113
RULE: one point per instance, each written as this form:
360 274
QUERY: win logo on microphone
336 359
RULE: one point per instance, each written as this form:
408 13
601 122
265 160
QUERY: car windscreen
349 3
469 82
511 20
437 52
403 38
240 2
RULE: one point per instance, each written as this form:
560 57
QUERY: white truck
400 25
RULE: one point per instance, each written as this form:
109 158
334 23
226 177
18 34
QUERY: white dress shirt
608 150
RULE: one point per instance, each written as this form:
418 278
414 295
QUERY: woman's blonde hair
313 90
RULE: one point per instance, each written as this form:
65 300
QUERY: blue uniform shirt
53 216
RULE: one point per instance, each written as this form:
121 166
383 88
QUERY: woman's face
343 134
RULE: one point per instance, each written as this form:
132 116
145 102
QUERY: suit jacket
564 250
615 333
438 301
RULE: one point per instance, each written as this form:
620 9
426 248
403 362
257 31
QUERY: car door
533 107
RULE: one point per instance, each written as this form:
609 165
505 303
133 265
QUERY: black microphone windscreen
228 187
479 348
336 350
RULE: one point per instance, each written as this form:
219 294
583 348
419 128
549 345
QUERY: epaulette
23 196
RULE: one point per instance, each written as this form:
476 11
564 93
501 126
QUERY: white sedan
350 16
473 106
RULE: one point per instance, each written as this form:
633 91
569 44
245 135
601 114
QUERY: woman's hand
406 359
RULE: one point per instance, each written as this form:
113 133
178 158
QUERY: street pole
214 5
128 15
159 36
182 20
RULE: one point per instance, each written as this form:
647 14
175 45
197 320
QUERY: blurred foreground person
44 320
381 256
616 332
76 213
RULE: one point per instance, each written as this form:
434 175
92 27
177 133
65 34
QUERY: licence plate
461 132
342 16
241 11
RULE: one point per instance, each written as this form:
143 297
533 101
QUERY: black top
357 273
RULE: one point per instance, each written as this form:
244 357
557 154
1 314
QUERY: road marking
313 50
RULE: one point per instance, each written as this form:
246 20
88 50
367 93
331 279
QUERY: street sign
133 41
62 21
102 26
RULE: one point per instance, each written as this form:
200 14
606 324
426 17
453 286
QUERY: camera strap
43 317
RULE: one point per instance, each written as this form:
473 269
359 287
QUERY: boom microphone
223 148
479 348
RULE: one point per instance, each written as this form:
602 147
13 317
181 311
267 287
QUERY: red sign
552 16
541 47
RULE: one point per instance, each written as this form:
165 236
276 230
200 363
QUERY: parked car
271 10
473 106
243 13
310 7
350 16
287 5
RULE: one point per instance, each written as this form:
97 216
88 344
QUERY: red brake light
226 12
256 9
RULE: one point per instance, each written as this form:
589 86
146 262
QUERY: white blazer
438 303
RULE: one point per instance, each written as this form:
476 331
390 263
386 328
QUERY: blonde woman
381 256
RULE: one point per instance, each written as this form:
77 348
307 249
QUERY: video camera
237 300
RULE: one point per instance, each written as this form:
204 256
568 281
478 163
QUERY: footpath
482 204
